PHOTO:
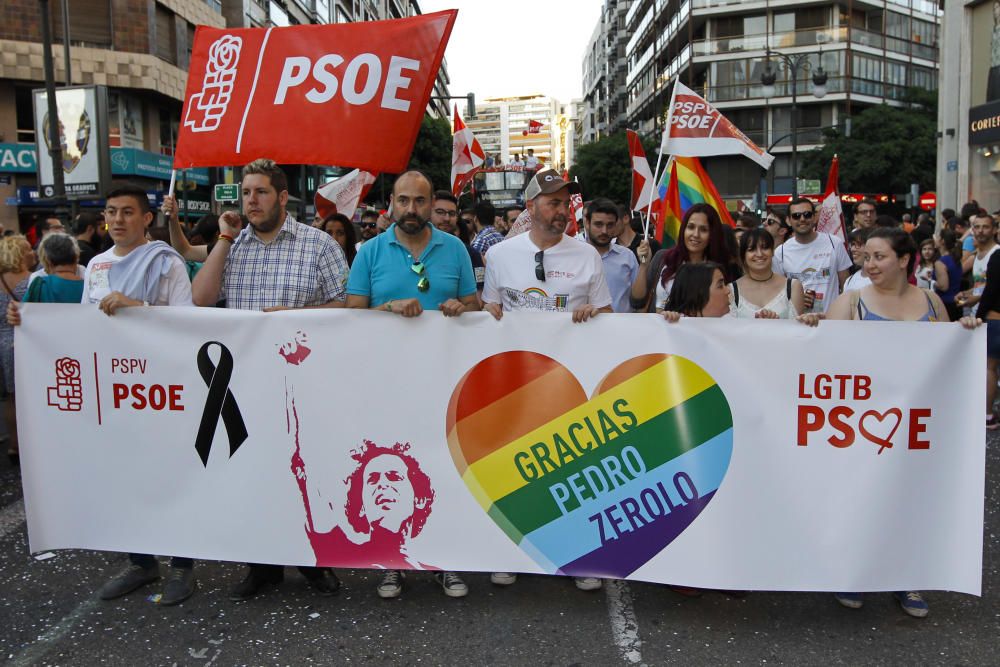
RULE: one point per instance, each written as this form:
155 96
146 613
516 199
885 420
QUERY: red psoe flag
467 156
695 128
642 175
534 127
831 213
345 94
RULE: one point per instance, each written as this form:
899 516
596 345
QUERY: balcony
776 40
893 44
754 91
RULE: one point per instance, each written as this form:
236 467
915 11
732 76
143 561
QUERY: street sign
928 201
952 165
227 192
808 186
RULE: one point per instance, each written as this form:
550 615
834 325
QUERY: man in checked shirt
274 263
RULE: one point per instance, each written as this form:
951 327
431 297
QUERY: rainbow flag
683 184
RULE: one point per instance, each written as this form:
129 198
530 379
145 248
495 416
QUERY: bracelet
388 306
226 237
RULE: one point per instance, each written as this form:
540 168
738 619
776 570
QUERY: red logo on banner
345 94
67 395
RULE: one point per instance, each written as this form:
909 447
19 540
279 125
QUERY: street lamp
792 64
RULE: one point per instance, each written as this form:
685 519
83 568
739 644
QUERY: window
923 78
814 17
897 25
166 36
25 115
866 67
89 20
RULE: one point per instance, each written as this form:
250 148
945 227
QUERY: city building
870 51
512 125
604 69
969 105
139 50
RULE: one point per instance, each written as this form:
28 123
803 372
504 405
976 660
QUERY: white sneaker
452 584
503 578
588 583
391 585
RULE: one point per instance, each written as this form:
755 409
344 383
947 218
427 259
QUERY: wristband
226 237
388 306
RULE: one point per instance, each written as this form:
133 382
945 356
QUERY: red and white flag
344 93
467 156
642 177
343 194
534 127
695 128
575 214
831 213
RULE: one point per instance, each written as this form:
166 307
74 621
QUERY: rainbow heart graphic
592 486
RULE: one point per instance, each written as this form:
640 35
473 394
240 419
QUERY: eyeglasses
539 265
368 225
805 215
445 213
772 221
424 283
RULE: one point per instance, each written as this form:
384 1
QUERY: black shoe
134 577
179 587
255 580
325 583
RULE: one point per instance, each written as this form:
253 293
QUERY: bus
502 186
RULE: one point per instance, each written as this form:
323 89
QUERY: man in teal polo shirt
411 268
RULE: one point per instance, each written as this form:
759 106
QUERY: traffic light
470 105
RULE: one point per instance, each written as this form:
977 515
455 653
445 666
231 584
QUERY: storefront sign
18 159
132 161
984 124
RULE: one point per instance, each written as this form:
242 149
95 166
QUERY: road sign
227 192
928 201
952 165
808 186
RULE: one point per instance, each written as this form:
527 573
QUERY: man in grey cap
545 270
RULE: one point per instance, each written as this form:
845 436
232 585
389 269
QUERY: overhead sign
349 94
83 133
808 186
134 161
18 159
679 458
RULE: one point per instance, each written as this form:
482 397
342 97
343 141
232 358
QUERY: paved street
50 616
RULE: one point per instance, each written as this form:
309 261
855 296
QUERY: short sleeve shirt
815 265
174 288
620 270
384 270
574 276
301 266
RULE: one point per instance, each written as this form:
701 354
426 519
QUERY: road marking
624 625
11 517
36 651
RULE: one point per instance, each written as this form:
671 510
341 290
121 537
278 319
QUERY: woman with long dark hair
340 227
701 240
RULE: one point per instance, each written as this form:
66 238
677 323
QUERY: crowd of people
426 253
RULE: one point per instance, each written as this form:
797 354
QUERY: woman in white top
856 243
931 272
761 292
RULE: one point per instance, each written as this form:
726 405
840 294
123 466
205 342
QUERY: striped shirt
302 266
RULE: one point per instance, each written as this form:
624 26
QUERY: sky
518 47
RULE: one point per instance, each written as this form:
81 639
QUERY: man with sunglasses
411 268
369 225
816 259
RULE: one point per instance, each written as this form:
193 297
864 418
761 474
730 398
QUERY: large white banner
714 453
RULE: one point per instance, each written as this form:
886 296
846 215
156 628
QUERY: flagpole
173 181
659 157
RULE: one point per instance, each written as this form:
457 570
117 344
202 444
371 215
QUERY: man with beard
274 263
568 275
601 221
410 268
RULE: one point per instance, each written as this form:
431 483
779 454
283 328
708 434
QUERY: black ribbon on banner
220 401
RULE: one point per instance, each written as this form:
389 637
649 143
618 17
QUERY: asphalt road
50 616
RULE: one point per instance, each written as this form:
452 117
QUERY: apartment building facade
871 51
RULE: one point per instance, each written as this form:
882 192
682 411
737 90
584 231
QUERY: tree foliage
431 155
889 148
604 168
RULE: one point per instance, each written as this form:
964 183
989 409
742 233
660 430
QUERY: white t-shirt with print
857 280
175 287
574 276
815 265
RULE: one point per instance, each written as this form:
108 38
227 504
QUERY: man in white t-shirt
818 260
984 233
531 162
544 269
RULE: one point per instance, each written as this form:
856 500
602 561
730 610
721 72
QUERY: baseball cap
546 182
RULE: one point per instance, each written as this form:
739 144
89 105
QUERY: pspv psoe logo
207 107
67 395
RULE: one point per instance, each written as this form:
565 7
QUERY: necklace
758 280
